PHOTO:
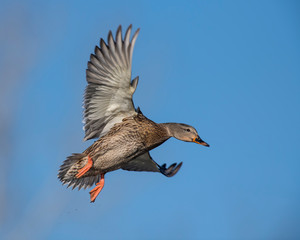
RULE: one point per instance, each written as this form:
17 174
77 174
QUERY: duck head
184 132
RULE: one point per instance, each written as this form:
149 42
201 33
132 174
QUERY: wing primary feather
126 44
94 59
101 63
170 171
119 43
114 51
176 169
111 44
132 43
105 52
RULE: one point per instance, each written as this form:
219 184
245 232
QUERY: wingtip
102 41
119 30
175 170
110 36
171 170
137 32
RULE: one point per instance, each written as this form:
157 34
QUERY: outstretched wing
108 95
145 163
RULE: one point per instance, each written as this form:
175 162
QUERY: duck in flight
125 135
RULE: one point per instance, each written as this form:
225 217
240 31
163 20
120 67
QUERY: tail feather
69 169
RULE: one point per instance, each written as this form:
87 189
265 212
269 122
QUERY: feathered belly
110 156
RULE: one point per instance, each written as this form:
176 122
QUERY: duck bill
200 141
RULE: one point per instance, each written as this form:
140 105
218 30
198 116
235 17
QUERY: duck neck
170 128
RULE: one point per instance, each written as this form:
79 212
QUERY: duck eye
188 130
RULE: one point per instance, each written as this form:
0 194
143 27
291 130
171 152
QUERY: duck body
125 141
125 135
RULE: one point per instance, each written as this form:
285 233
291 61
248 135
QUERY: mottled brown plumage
125 141
126 135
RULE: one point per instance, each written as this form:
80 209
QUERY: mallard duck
125 135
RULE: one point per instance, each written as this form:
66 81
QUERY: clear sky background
229 68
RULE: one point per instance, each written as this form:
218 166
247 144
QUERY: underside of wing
145 163
108 95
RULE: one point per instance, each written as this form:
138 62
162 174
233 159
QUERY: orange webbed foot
87 167
95 191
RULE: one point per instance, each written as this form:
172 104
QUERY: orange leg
94 193
87 167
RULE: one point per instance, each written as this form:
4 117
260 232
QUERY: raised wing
108 95
146 164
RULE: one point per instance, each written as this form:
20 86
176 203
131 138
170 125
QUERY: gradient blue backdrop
229 68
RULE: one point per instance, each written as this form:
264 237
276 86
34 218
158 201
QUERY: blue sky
228 68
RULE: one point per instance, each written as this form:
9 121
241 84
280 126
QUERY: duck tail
69 169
